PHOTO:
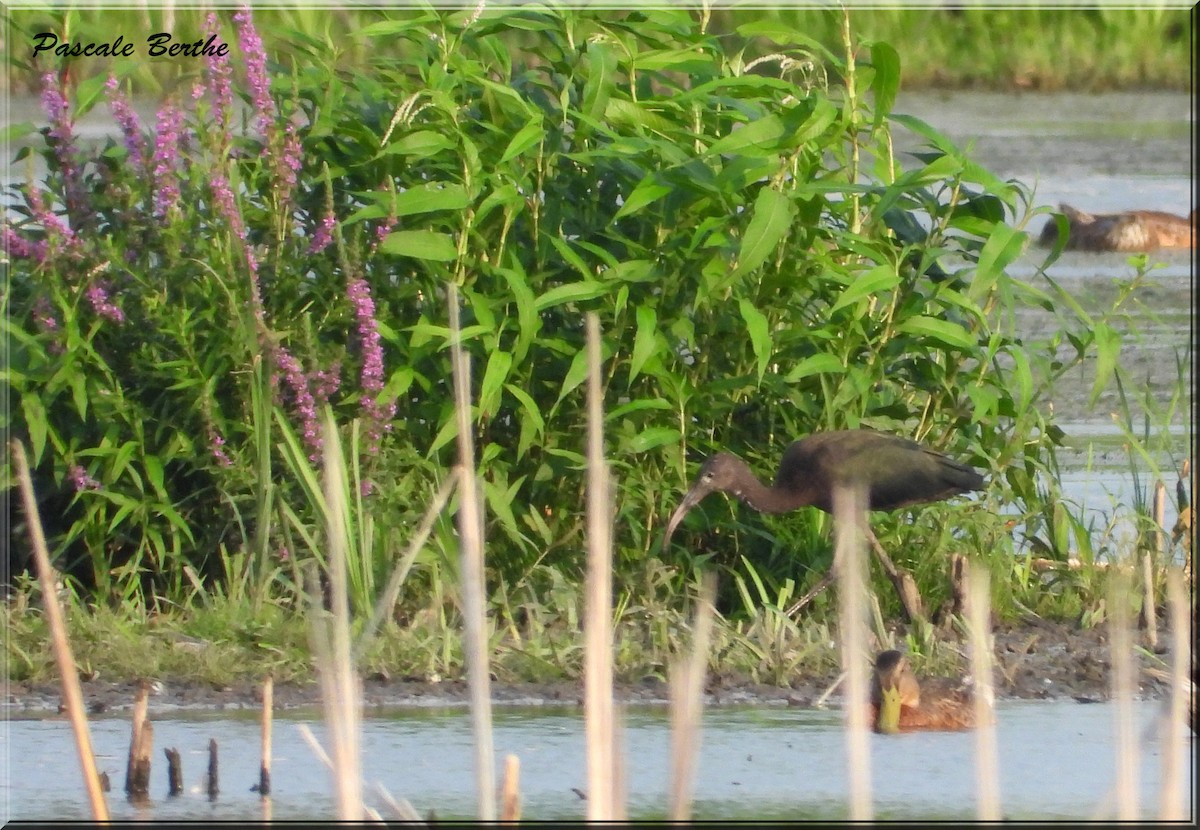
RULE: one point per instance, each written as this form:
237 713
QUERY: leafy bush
762 264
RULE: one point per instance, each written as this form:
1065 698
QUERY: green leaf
526 137
1108 351
816 364
420 144
950 334
644 340
570 293
772 219
649 190
575 375
759 137
886 82
1002 248
498 366
760 334
879 279
420 245
430 197
648 439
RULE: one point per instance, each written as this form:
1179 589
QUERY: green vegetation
183 305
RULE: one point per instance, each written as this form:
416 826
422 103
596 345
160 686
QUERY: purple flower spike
166 160
216 444
98 296
323 235
256 68
80 479
377 417
127 119
306 406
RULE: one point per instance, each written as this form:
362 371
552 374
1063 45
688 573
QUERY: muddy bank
1039 660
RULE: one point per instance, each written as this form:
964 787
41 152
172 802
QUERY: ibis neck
766 499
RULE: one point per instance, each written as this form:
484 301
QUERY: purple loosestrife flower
218 72
22 248
378 417
306 407
323 235
127 119
80 479
166 160
256 69
216 445
227 206
62 130
59 237
97 295
43 315
328 382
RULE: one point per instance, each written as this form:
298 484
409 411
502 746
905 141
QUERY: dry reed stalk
141 704
510 809
598 637
1171 801
849 515
387 600
403 810
1121 642
687 704
72 693
987 769
264 769
341 692
470 530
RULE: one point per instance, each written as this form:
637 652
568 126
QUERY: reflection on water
1057 761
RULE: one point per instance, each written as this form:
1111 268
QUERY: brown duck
1133 231
899 704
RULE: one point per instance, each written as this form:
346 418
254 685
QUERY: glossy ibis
1133 231
896 472
899 704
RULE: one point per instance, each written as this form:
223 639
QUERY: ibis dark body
894 471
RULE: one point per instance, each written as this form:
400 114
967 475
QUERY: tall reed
470 530
850 564
603 803
687 704
987 768
68 674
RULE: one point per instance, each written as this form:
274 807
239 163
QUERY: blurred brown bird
1132 231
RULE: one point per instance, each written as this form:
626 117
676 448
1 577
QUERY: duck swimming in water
1134 231
899 704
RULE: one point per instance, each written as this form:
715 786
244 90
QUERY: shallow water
1056 760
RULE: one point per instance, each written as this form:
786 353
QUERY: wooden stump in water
174 772
211 779
140 705
138 784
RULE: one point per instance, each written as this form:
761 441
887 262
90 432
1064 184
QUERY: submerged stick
510 809
687 704
849 515
598 637
69 677
174 771
138 785
264 771
140 706
987 767
212 784
470 532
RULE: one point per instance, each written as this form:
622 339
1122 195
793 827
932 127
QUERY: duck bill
889 711
692 498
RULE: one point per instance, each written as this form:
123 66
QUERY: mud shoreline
1034 660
